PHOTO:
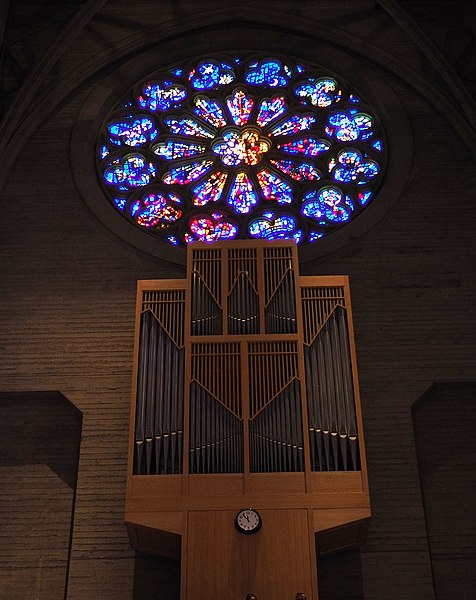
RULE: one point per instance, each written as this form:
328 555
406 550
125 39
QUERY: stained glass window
241 147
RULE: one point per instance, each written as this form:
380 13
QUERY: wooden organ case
245 395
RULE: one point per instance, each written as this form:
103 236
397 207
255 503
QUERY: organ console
246 449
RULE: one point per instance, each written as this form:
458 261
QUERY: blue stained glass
248 142
294 124
171 149
187 126
240 106
326 205
270 110
211 228
135 207
155 211
364 197
298 171
274 188
352 167
120 203
133 131
275 227
348 128
307 146
242 196
210 75
314 236
161 96
186 173
319 92
377 145
267 73
129 172
209 190
210 111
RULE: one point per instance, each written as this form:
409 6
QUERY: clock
248 521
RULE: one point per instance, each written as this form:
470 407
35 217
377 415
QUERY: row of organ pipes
214 391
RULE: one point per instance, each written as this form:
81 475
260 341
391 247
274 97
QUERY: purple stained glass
240 106
351 167
302 171
210 111
241 134
209 190
327 205
211 228
242 196
294 124
274 188
172 149
267 73
270 110
275 227
155 210
307 146
318 92
187 173
346 127
132 131
236 148
130 172
188 126
160 96
211 74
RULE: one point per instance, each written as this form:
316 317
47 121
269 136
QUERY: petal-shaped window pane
274 188
171 149
294 124
270 110
240 106
242 196
302 171
210 111
209 190
308 146
188 126
187 173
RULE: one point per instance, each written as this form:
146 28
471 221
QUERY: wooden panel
274 563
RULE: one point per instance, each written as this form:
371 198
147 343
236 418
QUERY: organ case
245 394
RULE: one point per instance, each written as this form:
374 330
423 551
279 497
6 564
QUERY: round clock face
248 521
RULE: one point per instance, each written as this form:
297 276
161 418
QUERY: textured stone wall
68 283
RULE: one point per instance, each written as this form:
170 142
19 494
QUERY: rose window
227 148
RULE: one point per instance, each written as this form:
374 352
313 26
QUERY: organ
246 454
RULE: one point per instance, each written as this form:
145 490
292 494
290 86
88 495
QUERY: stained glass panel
240 106
241 134
242 196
